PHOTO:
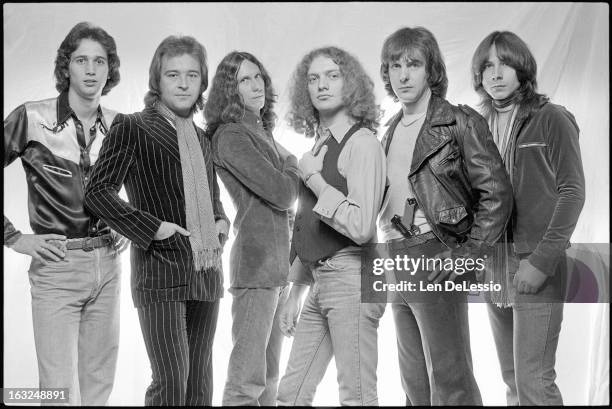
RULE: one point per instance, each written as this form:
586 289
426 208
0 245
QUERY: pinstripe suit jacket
141 152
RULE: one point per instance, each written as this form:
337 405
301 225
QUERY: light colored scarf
505 262
198 206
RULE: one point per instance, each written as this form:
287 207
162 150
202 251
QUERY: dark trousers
433 339
179 339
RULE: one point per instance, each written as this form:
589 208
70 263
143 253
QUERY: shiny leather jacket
57 163
458 177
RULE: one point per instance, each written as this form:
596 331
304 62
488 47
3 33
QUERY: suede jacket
263 187
458 177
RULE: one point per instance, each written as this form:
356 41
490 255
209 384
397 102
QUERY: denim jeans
526 337
433 341
75 313
253 370
335 323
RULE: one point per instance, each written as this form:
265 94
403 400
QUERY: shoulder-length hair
357 92
405 41
173 46
514 52
225 104
71 43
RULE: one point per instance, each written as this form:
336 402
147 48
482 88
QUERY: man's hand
290 311
311 164
120 243
528 279
222 231
438 273
167 229
39 248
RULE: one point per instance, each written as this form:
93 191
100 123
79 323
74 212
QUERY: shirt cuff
546 264
329 200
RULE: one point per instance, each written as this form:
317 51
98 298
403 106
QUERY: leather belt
89 243
403 243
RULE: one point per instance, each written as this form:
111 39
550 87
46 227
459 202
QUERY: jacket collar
431 137
65 112
251 120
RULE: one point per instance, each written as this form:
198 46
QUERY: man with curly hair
343 181
174 219
449 187
262 178
75 269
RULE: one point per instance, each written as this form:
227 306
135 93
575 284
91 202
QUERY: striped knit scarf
198 206
505 262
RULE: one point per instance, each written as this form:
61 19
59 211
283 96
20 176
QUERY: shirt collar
65 112
338 129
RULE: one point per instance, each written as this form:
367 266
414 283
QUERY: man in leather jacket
447 180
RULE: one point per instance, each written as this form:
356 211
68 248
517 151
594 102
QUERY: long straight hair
514 52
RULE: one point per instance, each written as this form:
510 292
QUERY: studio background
570 44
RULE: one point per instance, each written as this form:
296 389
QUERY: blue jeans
526 337
335 323
75 313
253 370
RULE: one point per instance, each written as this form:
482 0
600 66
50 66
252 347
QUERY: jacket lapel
432 135
161 133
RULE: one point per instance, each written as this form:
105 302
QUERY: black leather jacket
458 177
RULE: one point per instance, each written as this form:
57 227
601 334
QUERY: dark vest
313 239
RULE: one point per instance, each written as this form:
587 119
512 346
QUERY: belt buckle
88 244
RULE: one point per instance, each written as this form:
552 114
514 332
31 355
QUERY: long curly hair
224 104
174 46
357 92
71 43
513 51
407 40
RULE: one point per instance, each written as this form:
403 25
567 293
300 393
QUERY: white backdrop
569 41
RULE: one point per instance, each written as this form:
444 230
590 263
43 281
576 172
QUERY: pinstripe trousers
179 338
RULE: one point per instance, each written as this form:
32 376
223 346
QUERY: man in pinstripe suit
174 219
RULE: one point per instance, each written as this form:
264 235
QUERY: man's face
325 85
180 83
498 79
408 78
88 69
251 86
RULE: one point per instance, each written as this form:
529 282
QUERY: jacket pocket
57 171
531 145
452 216
169 243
